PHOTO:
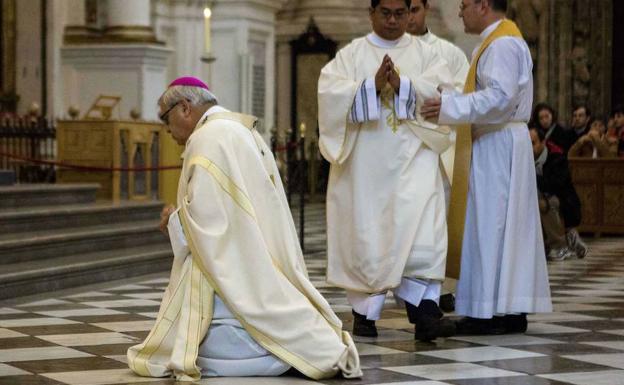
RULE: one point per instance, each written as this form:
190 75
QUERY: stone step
33 277
16 248
61 217
7 177
29 195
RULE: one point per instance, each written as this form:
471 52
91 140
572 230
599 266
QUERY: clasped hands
386 74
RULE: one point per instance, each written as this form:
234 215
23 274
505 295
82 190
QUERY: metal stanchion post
302 185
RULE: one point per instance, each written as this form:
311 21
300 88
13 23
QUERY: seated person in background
239 301
595 144
581 119
545 118
557 199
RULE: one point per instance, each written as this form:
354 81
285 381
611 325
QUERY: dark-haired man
386 212
503 266
581 118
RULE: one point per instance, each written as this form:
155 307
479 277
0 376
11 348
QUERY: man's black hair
408 3
499 5
619 109
583 106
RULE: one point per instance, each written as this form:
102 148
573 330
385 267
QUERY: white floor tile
6 333
484 353
590 300
507 340
87 339
43 321
98 377
615 360
7 370
44 353
128 326
90 294
543 328
367 349
573 307
618 345
45 302
8 310
608 377
560 317
155 295
128 287
123 303
79 312
153 315
452 371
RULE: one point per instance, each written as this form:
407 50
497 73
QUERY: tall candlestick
207 15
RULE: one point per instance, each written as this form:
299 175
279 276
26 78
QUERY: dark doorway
618 53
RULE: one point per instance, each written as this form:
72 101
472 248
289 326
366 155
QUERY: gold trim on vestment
463 153
227 184
279 351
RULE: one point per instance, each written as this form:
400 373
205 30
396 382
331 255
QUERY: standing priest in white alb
386 214
239 302
503 267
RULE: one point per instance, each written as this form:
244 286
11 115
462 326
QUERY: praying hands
387 74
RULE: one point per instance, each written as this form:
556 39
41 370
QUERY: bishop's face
389 19
177 119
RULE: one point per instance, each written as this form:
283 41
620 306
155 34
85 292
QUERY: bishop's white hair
196 96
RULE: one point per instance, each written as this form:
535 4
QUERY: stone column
243 43
129 21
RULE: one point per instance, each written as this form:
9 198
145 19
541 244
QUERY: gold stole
463 150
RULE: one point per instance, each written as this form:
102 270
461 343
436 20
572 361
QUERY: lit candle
207 15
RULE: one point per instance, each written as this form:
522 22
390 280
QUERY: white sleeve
365 106
405 101
500 74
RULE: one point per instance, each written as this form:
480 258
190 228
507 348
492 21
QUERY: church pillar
243 45
130 20
118 56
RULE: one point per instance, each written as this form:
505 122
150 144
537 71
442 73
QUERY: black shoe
513 323
429 328
447 303
363 327
428 322
469 326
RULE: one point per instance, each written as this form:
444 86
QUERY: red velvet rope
288 146
87 168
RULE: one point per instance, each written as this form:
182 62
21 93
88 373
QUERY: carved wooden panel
588 194
614 204
600 186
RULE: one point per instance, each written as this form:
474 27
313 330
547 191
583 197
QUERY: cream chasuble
242 246
386 214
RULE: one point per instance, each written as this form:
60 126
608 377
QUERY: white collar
212 110
486 32
378 41
428 37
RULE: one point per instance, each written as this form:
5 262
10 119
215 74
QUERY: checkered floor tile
80 337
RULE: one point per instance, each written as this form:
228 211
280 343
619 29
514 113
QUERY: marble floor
80 336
